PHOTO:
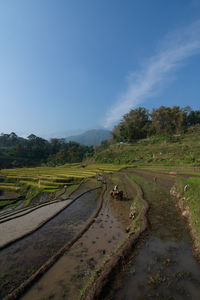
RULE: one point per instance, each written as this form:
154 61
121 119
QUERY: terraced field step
59 196
26 210
51 177
64 228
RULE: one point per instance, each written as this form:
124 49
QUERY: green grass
50 190
191 199
137 203
9 203
160 151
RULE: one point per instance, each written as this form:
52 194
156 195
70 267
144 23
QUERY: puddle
21 259
164 267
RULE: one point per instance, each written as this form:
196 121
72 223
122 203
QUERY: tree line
16 151
140 123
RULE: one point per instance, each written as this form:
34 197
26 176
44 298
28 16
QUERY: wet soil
41 198
9 195
68 276
19 225
23 258
164 267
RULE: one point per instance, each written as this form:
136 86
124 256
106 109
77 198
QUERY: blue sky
71 65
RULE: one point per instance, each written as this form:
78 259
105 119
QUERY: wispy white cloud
173 50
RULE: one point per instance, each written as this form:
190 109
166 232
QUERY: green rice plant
9 188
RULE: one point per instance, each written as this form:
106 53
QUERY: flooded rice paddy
66 278
23 258
164 266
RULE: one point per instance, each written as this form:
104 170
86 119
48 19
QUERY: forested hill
163 128
166 136
163 121
91 137
16 151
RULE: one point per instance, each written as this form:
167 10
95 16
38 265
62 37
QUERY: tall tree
134 125
167 120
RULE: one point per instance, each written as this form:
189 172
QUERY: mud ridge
44 222
103 276
174 173
26 211
24 286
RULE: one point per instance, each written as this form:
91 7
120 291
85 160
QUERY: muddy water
164 267
20 260
66 278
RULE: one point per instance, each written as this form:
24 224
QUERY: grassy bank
174 150
188 194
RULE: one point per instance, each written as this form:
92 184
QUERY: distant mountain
91 137
61 134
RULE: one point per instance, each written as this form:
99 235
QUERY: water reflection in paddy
164 267
20 260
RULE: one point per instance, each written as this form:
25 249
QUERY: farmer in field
116 194
115 188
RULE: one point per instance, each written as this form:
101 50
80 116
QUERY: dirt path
67 277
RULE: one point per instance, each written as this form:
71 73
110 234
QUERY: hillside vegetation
164 128
188 197
163 121
171 150
168 137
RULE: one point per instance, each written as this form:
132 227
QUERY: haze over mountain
91 137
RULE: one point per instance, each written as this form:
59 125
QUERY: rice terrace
99 195
120 222
64 237
47 179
